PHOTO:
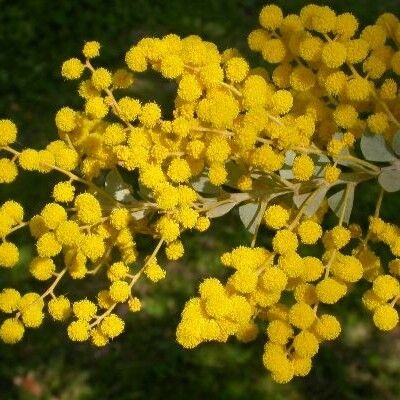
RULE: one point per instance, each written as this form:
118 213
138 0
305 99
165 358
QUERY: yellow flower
8 132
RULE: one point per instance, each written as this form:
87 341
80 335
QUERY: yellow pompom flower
303 167
374 35
122 79
68 233
9 255
104 299
119 291
358 89
386 317
271 17
150 114
14 210
29 159
134 304
306 344
256 39
301 316
63 192
93 246
153 271
202 224
171 66
309 231
274 51
101 78
42 268
91 49
332 173
8 170
347 268
96 108
66 119
333 54
302 78
112 326
327 327
72 68
340 236
236 69
282 101
128 108
330 291
119 218
88 208
84 309
346 25
179 170
313 269
59 308
378 122
174 251
292 264
33 317
98 337
345 116
9 299
217 174
114 134
117 270
53 214
11 331
79 331
279 332
285 241
135 58
335 82
310 48
8 132
47 245
189 88
276 216
386 287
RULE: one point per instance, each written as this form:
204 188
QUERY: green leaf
251 215
144 192
320 162
221 209
389 179
234 173
286 171
396 143
314 203
375 148
117 187
290 155
313 200
203 185
336 202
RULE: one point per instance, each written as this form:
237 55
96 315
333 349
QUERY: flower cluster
282 147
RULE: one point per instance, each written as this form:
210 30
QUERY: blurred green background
146 363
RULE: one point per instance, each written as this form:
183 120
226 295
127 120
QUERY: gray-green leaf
203 185
251 215
336 202
117 187
389 179
221 209
396 143
375 148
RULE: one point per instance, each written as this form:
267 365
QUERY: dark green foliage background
146 363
